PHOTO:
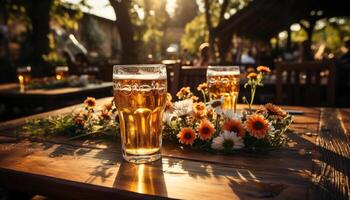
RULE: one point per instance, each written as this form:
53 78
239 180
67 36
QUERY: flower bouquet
88 122
205 125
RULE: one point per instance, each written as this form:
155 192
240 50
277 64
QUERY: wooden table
48 99
314 165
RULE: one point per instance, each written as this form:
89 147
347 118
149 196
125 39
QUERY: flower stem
204 97
253 89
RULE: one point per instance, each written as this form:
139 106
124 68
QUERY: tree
214 13
195 34
185 11
39 14
126 30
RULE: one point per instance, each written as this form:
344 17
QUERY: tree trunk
39 14
224 47
126 31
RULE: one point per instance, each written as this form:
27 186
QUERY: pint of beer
24 76
61 72
223 81
140 97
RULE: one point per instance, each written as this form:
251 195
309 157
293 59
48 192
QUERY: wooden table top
314 165
12 89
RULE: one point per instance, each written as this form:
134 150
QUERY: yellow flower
252 75
90 102
206 130
199 110
271 109
263 69
194 98
210 112
184 92
257 126
186 136
202 87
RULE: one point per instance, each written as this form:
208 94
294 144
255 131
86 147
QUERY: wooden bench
307 83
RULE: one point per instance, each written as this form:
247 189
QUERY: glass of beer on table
61 72
140 96
24 76
223 83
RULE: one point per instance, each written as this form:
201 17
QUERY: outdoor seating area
174 99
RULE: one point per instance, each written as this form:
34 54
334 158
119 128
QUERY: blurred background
306 43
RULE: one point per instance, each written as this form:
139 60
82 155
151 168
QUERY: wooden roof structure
263 19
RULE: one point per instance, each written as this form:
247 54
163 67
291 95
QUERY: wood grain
334 147
86 169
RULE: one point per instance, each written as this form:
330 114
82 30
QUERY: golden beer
224 82
24 76
140 101
61 72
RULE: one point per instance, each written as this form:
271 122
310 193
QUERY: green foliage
195 34
88 122
149 19
67 14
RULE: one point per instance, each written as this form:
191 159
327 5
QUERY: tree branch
208 15
223 9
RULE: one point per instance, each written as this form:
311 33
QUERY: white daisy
168 117
230 114
216 105
227 140
183 107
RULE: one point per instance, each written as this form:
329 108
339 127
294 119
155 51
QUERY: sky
102 8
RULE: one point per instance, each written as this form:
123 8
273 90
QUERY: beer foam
222 73
139 76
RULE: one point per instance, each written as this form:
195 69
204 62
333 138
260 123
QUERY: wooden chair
173 72
309 83
190 76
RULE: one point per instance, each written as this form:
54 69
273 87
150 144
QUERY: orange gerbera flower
184 92
263 69
186 136
275 110
206 130
202 87
257 126
90 102
252 75
233 125
199 110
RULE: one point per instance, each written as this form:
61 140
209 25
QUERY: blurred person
185 57
343 76
247 58
204 57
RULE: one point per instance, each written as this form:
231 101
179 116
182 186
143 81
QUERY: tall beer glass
140 95
223 81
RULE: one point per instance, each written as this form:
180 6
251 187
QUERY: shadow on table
141 178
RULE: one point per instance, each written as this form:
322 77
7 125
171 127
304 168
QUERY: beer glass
61 72
24 76
140 96
223 82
